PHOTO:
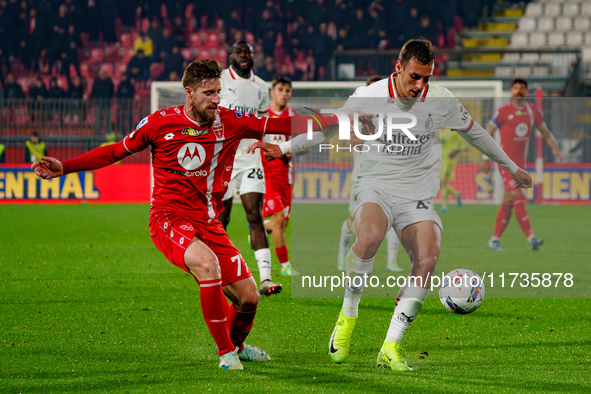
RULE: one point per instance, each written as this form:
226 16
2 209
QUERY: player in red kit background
279 177
193 148
516 121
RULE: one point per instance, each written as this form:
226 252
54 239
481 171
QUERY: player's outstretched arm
522 179
549 138
271 150
48 167
481 140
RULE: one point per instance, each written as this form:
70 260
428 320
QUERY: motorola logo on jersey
521 130
191 156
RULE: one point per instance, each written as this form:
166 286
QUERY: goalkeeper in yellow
451 145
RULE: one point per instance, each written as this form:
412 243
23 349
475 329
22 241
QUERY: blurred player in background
516 121
451 145
346 230
35 148
246 93
396 189
193 147
279 177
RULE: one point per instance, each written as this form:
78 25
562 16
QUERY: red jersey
279 170
192 163
517 125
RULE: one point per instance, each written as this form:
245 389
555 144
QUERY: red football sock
522 216
282 254
503 217
215 312
240 325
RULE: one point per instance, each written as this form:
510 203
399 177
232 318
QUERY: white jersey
403 167
355 169
244 95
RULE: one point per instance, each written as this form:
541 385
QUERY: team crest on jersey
141 123
218 129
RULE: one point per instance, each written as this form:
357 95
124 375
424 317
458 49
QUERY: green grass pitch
88 304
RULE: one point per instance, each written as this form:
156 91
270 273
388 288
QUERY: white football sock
263 257
408 304
393 245
360 268
346 237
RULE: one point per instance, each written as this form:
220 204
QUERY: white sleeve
481 140
301 141
457 118
263 109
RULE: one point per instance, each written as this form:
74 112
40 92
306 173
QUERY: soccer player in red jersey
279 176
193 147
516 122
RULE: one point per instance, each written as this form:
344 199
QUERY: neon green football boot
340 341
390 357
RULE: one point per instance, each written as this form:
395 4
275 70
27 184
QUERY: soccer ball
461 291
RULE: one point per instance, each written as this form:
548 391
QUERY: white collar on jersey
192 120
517 106
235 75
392 89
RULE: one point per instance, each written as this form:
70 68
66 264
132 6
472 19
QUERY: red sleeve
538 118
136 141
299 124
97 158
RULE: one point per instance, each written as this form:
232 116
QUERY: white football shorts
400 212
246 180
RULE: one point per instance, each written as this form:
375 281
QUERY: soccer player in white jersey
346 231
244 92
397 182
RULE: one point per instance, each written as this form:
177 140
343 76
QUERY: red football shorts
172 233
277 198
508 181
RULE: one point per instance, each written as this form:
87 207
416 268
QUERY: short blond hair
201 70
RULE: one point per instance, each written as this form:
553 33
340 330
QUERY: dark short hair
373 78
242 41
200 70
419 49
281 80
519 80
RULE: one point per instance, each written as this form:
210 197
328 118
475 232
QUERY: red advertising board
112 184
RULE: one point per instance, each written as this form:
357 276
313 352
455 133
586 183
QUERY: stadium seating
189 54
564 23
125 40
156 70
555 38
574 39
95 55
195 40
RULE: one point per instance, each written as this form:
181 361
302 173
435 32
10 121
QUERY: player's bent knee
254 216
204 268
425 265
248 300
368 239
